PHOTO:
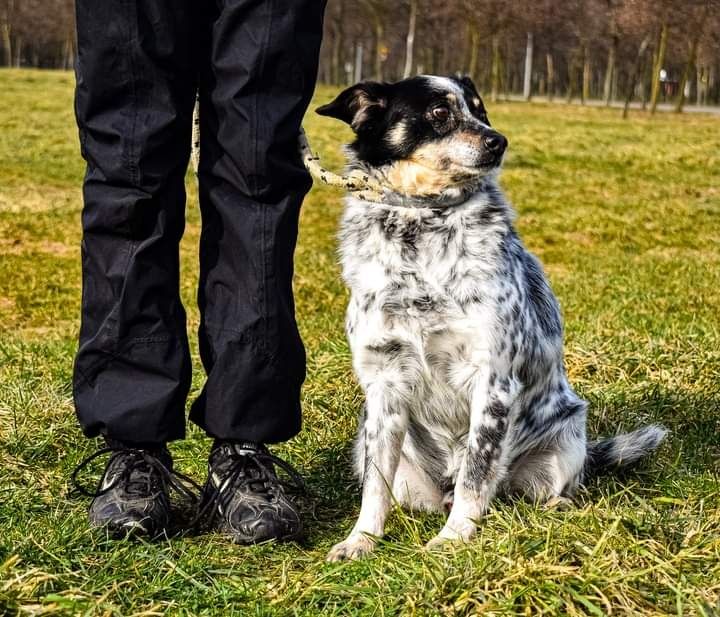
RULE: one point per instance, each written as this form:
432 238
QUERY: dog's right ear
359 105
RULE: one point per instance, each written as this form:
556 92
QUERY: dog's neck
434 196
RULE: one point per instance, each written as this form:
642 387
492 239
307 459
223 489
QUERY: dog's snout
495 142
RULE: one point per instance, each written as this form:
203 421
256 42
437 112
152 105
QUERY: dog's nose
495 143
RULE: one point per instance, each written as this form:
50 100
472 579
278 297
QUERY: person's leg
136 82
254 93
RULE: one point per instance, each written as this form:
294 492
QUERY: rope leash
356 182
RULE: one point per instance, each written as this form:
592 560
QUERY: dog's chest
415 265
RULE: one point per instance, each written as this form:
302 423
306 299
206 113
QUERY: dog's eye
441 113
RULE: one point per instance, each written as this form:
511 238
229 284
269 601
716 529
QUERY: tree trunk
682 86
6 33
692 58
572 68
17 48
69 61
495 75
710 87
610 71
379 50
634 76
699 75
527 79
586 75
701 90
338 45
474 50
550 75
410 40
7 44
506 74
659 61
335 59
445 38
375 11
358 74
646 80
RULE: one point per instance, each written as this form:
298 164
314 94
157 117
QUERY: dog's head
427 134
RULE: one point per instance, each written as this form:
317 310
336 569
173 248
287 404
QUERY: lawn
625 216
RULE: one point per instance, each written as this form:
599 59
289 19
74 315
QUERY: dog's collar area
392 198
361 185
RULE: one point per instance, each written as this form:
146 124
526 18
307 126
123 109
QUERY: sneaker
244 497
132 497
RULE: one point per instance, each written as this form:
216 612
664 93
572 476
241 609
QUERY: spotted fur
456 336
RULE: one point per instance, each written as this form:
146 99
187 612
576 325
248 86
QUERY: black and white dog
455 334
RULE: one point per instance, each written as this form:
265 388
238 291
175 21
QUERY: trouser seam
133 34
264 228
114 354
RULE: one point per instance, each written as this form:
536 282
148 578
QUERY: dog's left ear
359 105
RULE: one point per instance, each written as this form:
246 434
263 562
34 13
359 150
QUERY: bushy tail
622 450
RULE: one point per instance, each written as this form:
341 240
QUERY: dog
456 336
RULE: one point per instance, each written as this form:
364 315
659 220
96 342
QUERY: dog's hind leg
551 472
545 475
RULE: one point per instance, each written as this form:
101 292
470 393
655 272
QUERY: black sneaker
244 498
132 497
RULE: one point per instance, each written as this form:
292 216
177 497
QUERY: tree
612 51
410 39
697 16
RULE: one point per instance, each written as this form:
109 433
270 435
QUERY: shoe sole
128 530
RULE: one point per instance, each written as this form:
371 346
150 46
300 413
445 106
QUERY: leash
359 183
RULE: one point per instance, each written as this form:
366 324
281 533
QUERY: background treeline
576 49
38 33
580 49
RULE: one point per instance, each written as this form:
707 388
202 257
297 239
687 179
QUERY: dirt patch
38 198
16 246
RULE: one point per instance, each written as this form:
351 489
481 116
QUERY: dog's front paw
438 542
559 503
354 547
450 535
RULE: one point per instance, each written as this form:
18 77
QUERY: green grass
625 217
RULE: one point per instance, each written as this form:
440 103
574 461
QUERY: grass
626 218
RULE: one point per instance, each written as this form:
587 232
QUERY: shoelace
237 475
169 478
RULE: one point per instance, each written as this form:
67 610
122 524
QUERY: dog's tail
622 450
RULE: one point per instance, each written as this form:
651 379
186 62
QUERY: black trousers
140 64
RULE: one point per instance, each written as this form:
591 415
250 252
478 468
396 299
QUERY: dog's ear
466 80
359 105
477 106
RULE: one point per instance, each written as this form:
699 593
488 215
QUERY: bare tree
659 60
410 39
612 51
7 18
697 16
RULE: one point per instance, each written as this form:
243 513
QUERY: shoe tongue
159 451
245 447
